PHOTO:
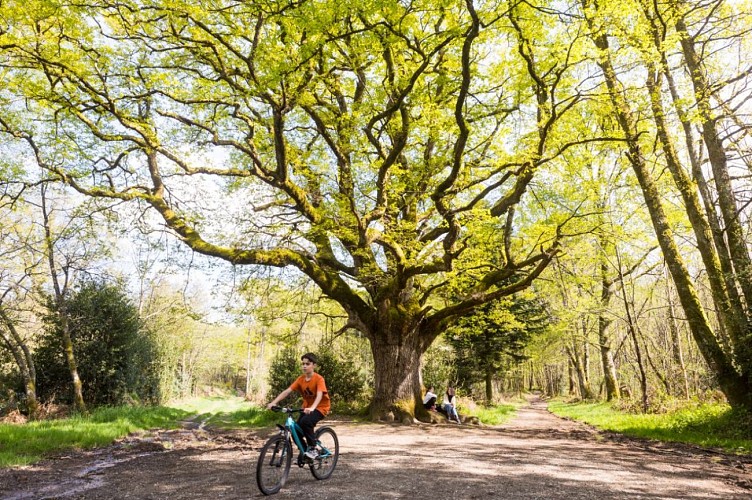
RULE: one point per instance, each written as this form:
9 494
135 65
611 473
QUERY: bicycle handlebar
287 410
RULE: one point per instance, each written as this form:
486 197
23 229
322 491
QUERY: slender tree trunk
553 380
184 388
572 382
582 383
736 388
632 328
586 357
680 374
658 372
21 354
604 341
248 366
584 350
260 368
60 301
531 382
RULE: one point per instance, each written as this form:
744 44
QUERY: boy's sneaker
312 453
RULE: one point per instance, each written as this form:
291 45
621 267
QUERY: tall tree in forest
717 17
731 369
608 283
495 336
12 338
612 273
15 271
61 275
679 375
574 318
376 148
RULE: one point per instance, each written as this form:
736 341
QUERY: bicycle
275 459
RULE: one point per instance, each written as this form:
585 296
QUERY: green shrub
344 380
117 363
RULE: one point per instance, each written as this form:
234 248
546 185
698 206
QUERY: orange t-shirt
309 389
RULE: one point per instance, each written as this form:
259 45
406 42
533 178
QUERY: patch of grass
28 443
228 412
710 425
353 409
494 415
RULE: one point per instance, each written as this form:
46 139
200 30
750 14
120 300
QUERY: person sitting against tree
450 405
429 401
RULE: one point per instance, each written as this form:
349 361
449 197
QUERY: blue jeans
451 411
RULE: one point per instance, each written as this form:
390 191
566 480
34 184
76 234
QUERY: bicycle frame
291 429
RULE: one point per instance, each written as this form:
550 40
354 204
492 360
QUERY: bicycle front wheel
273 465
328 448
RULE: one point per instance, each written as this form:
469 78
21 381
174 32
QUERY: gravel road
535 456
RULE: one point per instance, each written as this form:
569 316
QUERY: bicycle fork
280 453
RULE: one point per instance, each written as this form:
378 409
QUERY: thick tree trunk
729 316
78 398
397 391
727 201
607 360
698 176
719 164
489 386
734 386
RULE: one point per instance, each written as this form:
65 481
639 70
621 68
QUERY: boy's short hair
310 357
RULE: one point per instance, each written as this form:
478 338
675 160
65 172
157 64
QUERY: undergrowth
706 424
30 442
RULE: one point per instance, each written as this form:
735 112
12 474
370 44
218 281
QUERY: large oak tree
380 148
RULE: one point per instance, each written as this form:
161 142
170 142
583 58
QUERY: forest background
502 196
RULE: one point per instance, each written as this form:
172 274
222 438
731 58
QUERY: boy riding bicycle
316 403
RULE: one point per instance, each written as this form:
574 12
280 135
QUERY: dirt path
537 455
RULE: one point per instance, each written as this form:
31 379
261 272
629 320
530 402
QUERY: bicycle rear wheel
273 465
328 448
